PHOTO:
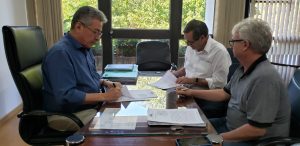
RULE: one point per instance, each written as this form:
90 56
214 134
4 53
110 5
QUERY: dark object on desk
195 141
75 140
153 56
294 96
25 47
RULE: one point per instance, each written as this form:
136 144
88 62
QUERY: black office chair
294 96
153 56
25 47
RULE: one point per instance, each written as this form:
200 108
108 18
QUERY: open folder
181 117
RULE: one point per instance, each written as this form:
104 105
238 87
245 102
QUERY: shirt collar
207 47
75 43
253 65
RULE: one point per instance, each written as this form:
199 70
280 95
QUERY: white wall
12 12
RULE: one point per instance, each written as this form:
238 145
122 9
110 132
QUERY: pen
114 85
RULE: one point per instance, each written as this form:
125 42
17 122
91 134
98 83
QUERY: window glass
69 7
140 14
181 52
125 50
192 9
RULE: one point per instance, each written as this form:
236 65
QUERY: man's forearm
245 132
211 95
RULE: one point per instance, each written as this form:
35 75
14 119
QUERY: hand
183 91
110 84
113 94
174 72
184 80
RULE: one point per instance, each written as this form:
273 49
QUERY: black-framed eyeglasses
231 42
95 32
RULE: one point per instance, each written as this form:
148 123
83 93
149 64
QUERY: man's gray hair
257 32
86 14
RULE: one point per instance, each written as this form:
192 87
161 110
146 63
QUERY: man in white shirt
206 65
206 60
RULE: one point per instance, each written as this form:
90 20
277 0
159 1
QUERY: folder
122 76
119 67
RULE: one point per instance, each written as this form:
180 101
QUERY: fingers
113 93
180 80
181 90
118 84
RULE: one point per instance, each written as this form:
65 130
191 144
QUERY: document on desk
135 95
183 117
110 119
168 80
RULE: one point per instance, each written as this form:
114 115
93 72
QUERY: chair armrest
278 140
41 113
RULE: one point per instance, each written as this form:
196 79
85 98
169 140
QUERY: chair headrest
25 44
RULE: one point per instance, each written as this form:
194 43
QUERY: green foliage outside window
144 14
137 14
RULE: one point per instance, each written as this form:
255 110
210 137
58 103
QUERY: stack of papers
182 117
168 80
135 95
110 119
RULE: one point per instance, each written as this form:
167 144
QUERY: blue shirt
69 72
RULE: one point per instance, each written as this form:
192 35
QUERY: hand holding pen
111 84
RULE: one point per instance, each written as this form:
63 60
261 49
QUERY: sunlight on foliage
142 14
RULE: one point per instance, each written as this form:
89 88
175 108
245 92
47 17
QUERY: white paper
168 80
135 95
175 116
109 119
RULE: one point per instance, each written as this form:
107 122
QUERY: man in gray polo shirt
258 106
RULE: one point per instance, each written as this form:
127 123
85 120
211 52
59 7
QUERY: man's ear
246 45
78 25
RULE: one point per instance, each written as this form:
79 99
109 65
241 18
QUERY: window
132 21
69 8
140 14
284 19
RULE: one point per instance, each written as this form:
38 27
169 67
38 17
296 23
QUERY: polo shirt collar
253 65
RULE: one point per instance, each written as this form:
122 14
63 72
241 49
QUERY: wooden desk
144 135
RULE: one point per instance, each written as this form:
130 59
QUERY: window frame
173 34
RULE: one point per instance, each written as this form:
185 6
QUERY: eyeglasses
95 32
189 43
231 42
